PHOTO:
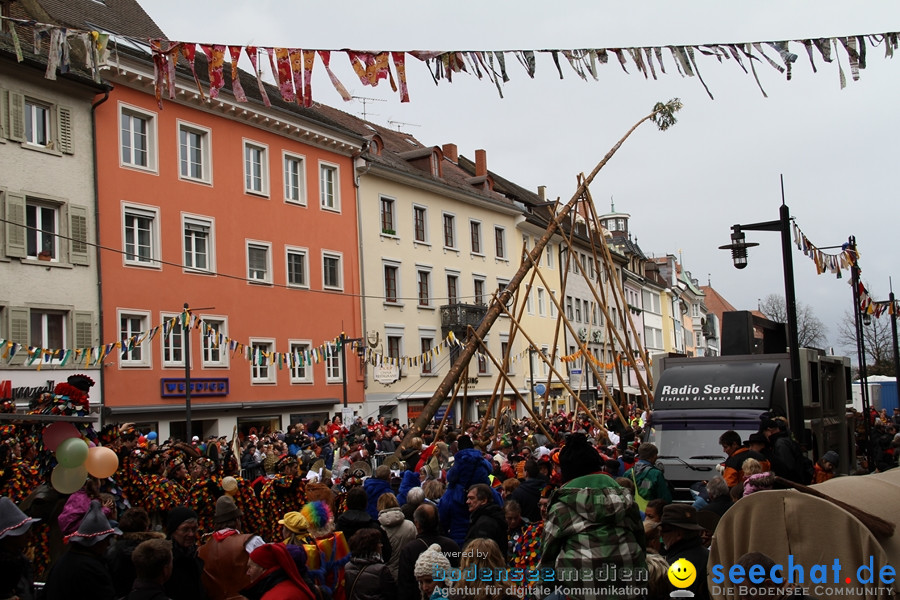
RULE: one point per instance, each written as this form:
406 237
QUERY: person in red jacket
275 575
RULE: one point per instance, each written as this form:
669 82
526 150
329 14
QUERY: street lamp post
860 321
344 341
531 351
738 247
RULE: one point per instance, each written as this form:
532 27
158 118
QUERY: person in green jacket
593 525
648 478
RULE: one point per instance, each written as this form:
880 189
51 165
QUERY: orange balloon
101 462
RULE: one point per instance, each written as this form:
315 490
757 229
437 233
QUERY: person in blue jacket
469 467
375 486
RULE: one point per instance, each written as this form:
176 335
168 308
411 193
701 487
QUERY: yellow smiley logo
682 573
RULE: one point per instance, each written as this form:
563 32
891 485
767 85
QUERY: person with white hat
81 572
16 574
429 565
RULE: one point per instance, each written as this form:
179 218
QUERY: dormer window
435 164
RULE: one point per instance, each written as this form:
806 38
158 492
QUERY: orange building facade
247 214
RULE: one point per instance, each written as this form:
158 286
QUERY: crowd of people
303 513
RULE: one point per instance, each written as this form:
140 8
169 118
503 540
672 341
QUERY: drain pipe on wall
362 280
97 251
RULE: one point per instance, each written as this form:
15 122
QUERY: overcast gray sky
684 188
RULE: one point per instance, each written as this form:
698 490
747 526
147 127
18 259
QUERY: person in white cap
16 573
432 571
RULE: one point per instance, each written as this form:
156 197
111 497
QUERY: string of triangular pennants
93 356
876 308
831 263
607 366
292 68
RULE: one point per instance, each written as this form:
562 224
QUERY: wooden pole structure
531 412
562 292
619 292
663 116
565 321
513 329
565 384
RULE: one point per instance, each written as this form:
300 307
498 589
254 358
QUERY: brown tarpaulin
780 523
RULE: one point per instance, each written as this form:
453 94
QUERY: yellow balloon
68 480
101 462
682 573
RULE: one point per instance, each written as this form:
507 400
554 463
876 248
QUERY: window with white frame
541 302
502 284
137 136
47 329
391 282
141 235
43 221
259 265
301 369
553 304
388 216
449 231
500 242
333 366
545 368
332 271
420 224
37 123
329 192
529 303
453 288
261 368
548 252
570 308
651 302
394 346
194 153
172 340
213 344
256 169
483 368
198 243
504 352
479 289
475 236
297 267
426 343
294 179
132 329
423 283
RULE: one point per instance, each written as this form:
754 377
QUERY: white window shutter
15 225
18 325
79 251
84 329
4 113
64 129
16 107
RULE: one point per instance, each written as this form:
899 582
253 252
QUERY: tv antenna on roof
365 100
401 123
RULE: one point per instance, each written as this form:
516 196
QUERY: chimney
450 152
542 192
480 163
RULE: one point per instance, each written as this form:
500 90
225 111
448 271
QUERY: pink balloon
90 443
56 433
